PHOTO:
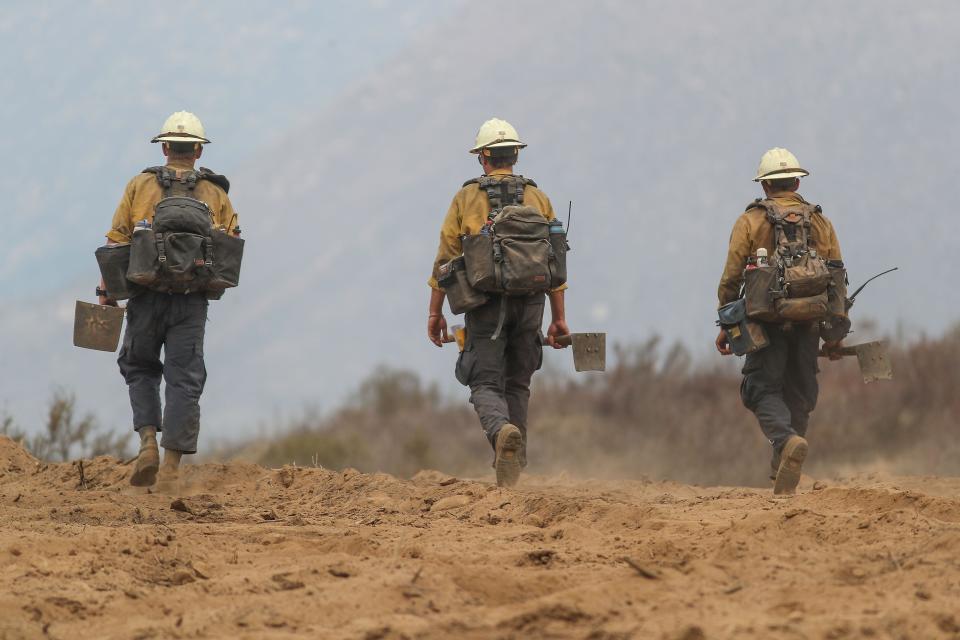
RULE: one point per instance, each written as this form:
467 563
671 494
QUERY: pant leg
800 389
524 356
139 359
184 372
762 388
481 367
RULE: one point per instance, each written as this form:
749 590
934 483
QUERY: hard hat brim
179 137
786 173
502 143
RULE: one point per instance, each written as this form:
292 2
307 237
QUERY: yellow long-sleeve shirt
752 230
468 213
143 192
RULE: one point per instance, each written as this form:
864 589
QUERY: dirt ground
249 552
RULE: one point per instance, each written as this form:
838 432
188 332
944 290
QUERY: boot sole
507 464
788 475
148 464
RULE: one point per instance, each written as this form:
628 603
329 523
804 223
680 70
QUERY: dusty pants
176 323
499 371
780 382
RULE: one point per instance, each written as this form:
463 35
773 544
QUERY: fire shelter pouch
743 335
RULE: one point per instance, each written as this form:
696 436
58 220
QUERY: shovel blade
589 351
874 361
97 326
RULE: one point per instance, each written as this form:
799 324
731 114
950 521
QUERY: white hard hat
496 133
182 126
779 163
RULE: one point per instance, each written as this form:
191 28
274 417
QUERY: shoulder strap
173 185
185 184
216 178
759 203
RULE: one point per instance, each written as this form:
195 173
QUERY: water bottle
556 227
762 257
143 225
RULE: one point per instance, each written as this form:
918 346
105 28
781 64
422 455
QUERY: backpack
182 252
518 251
797 285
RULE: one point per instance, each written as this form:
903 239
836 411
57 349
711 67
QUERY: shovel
589 350
873 359
97 326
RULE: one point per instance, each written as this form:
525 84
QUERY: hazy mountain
650 116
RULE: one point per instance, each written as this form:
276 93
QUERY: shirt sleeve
450 245
737 254
121 228
834 246
227 218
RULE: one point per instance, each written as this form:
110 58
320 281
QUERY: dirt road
249 552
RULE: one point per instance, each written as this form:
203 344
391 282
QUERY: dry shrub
66 434
652 414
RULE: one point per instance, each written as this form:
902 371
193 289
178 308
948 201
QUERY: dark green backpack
182 252
518 251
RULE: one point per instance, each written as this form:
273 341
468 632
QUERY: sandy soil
249 552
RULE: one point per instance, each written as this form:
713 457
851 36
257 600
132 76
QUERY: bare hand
437 329
557 328
109 302
723 345
832 349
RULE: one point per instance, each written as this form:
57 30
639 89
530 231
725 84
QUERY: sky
344 126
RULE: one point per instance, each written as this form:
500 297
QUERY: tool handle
564 341
843 351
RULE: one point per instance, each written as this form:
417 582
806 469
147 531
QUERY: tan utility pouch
461 296
807 276
802 309
760 288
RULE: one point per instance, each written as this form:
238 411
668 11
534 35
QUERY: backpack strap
185 184
502 191
172 184
216 178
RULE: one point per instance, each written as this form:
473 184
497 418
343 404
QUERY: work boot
168 480
148 460
507 463
791 461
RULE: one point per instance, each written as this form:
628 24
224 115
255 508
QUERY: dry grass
655 413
